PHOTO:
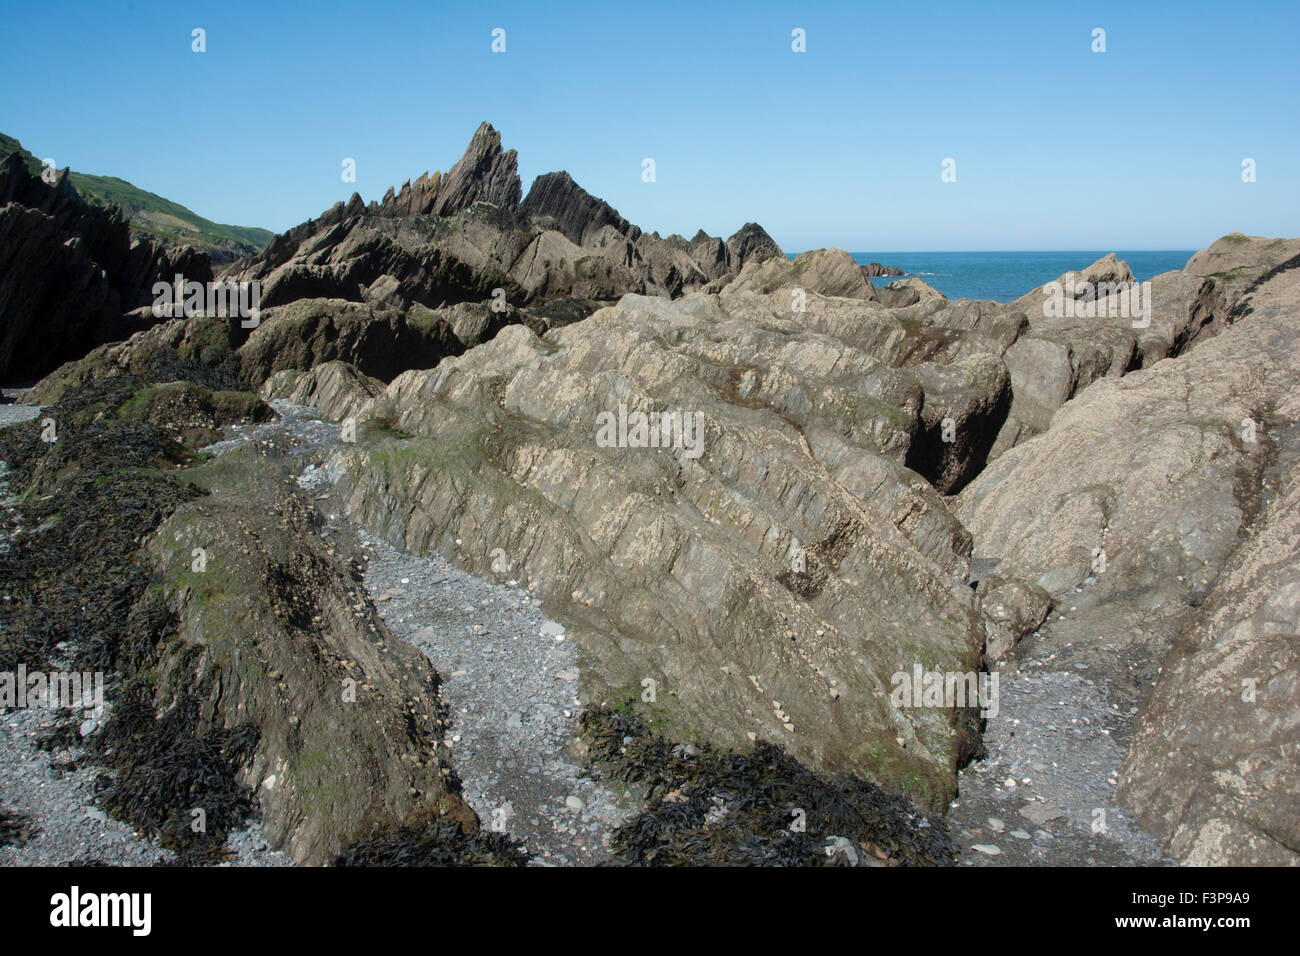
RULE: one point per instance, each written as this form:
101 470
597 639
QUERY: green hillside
155 216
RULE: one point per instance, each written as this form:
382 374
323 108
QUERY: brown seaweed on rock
433 843
712 807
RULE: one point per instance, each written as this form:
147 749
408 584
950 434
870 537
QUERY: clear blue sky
1057 147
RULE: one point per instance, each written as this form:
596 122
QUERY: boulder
830 272
1011 609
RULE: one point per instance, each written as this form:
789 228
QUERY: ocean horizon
1005 276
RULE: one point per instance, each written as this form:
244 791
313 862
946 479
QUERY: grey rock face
484 174
556 202
1209 771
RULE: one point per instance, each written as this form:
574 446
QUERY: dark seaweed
435 843
713 807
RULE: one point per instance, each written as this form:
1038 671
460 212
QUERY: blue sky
1056 147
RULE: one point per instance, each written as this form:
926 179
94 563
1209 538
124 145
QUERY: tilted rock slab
769 581
278 629
1215 766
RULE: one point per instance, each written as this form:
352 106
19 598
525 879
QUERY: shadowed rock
69 271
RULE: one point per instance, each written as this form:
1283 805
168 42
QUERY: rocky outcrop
829 272
751 244
1212 769
54 301
68 273
769 574
904 292
336 389
198 350
1145 504
378 343
875 270
484 174
277 631
556 202
452 239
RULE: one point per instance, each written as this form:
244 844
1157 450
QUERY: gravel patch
57 792
510 679
1044 795
14 413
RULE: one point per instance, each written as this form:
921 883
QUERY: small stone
574 803
1039 814
988 849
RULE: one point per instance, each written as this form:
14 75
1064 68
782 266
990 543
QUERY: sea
1003 276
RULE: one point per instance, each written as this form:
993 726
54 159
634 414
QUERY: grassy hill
155 216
